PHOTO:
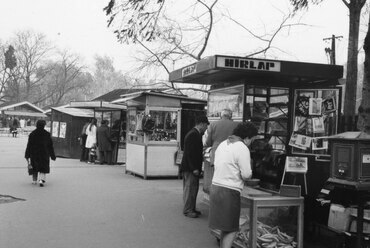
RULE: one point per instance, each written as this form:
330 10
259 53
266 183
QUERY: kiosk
295 107
115 114
157 123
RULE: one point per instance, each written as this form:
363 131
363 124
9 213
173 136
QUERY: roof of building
8 109
117 93
78 112
219 69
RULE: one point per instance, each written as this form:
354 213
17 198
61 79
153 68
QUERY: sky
81 27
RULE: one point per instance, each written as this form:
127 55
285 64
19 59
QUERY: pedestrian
218 131
232 167
191 165
82 139
91 140
38 153
104 143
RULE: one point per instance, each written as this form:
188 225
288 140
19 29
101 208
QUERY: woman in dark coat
38 153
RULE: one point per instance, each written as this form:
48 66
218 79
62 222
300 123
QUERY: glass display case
165 126
269 220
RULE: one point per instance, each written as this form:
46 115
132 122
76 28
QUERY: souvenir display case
151 147
154 132
269 220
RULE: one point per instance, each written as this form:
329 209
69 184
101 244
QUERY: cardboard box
339 217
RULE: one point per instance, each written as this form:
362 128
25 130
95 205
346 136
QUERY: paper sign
366 159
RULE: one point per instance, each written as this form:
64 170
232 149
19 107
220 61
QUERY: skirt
224 209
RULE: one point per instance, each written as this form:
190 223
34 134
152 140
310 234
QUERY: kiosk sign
248 64
191 69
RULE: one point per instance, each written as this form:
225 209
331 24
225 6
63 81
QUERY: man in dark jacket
104 143
191 165
38 153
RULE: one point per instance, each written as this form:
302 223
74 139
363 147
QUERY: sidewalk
92 206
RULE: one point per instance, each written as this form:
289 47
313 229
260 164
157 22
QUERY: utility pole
331 51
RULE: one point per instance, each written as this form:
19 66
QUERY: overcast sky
80 26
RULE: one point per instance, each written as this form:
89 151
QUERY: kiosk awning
97 105
223 69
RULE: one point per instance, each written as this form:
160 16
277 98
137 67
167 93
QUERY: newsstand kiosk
295 106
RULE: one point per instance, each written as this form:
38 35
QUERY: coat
39 150
193 151
91 136
217 132
103 138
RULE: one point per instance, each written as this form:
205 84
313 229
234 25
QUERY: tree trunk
364 109
351 77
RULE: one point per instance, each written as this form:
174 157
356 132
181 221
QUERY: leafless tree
166 39
63 78
354 7
363 123
32 49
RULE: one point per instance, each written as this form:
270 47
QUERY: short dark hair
245 129
201 119
40 124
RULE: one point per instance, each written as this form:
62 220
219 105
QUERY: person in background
82 139
218 131
38 153
191 165
232 167
104 143
91 139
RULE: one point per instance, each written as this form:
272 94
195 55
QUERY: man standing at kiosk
218 131
191 165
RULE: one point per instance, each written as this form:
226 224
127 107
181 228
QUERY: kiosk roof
222 69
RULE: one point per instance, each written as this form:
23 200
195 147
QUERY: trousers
190 191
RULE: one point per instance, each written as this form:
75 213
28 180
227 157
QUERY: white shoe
34 182
41 183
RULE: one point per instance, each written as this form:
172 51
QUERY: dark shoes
197 212
192 215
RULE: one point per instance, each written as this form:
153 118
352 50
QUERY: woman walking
91 139
38 153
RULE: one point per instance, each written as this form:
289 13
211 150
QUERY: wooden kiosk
151 148
295 106
115 114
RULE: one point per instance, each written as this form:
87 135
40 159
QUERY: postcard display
315 118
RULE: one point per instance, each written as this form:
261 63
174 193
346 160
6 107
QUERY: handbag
29 168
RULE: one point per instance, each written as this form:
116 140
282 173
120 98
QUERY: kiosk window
165 126
231 98
267 108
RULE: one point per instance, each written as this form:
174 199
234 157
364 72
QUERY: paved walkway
92 206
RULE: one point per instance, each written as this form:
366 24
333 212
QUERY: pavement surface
92 206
